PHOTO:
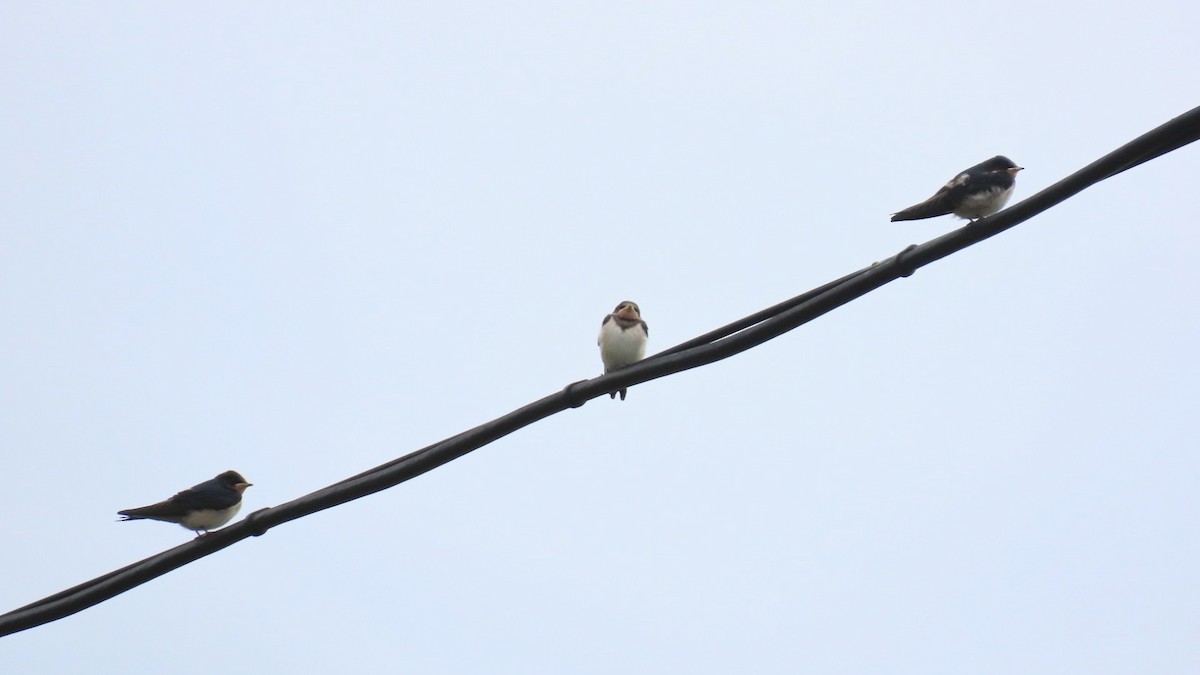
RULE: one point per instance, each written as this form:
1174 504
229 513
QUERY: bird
622 340
977 192
202 507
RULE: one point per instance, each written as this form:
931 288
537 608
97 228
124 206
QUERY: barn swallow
201 508
977 192
622 339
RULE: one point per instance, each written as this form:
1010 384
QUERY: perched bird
201 508
977 192
622 339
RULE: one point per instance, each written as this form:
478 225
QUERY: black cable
714 346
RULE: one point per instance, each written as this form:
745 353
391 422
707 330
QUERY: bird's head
628 311
234 481
1002 163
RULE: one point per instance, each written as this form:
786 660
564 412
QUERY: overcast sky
300 239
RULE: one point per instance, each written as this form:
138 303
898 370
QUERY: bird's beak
1015 169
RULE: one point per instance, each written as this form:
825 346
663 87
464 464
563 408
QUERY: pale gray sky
300 239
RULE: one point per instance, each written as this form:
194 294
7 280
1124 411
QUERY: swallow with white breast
977 192
200 508
622 340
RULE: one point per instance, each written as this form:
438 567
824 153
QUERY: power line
713 346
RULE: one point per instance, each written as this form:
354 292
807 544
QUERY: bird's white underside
210 519
983 203
619 348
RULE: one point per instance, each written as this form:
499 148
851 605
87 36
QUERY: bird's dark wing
203 496
942 202
168 510
207 495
